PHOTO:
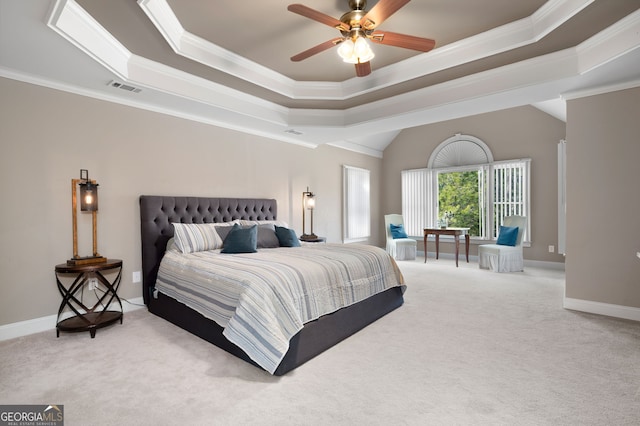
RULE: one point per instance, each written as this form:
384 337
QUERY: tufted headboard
157 213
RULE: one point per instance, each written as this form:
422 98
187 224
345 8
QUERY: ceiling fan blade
401 40
380 12
316 49
363 69
307 12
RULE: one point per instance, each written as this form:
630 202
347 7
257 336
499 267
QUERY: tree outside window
459 200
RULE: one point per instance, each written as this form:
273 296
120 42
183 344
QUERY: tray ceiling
228 64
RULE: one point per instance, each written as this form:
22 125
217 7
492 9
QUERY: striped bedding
263 299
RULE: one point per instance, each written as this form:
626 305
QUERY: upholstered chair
506 254
401 247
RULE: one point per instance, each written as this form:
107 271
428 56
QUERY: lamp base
308 237
88 260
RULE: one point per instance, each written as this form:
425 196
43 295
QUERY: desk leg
437 246
466 245
457 237
425 249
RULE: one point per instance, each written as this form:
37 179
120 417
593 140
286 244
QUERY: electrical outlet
136 277
93 283
552 249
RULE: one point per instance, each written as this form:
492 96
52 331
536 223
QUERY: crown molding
148 73
615 41
522 74
356 147
79 28
555 13
73 23
198 49
507 37
600 90
612 42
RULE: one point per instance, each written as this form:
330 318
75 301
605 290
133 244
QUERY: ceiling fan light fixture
355 52
356 26
346 49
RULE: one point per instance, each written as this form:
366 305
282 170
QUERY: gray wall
523 132
603 200
48 136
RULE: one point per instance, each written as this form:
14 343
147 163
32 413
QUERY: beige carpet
468 347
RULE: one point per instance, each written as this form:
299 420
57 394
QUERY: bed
157 215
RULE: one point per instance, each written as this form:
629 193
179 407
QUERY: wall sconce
88 203
308 203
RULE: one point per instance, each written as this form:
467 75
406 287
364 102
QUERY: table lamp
88 203
308 203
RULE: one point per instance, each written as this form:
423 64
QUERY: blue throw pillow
241 240
508 236
397 231
287 237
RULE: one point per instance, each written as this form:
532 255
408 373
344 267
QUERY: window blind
357 204
562 200
510 183
503 190
417 201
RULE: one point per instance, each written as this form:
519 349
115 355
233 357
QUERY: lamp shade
309 201
88 196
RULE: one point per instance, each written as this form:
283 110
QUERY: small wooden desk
456 232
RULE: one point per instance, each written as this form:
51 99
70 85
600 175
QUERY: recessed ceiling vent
123 86
293 132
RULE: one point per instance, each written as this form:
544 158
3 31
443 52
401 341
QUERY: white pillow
224 224
194 237
281 223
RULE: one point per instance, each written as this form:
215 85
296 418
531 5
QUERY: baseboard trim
37 325
556 266
616 311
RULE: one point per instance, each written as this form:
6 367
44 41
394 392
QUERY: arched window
460 150
463 186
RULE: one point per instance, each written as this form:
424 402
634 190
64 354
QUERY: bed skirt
316 336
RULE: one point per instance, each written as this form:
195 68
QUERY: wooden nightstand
99 315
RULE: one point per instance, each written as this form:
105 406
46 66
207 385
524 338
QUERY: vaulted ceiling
228 63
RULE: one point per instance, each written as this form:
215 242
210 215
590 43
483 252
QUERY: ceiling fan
357 26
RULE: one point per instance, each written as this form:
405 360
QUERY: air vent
123 86
293 132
